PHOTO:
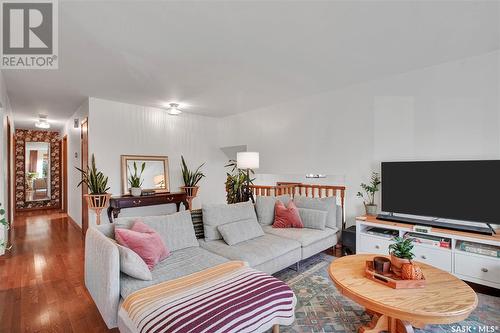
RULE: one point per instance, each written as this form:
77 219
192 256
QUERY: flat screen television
458 190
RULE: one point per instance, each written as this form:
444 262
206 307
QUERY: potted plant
236 182
135 180
191 180
401 253
369 194
3 221
97 184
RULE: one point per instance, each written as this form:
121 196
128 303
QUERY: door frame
84 158
64 168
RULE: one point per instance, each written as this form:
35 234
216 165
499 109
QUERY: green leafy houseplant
191 178
236 181
97 184
369 193
401 253
135 180
95 180
3 221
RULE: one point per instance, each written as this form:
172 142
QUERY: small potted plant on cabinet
97 184
401 253
191 180
369 194
135 180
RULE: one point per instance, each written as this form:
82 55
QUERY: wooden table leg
276 328
381 323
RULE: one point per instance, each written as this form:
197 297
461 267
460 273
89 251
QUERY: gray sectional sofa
253 240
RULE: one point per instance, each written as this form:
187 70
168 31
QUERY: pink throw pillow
286 217
144 241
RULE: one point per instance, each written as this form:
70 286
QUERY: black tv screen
459 190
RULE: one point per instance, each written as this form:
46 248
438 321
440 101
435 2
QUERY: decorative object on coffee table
135 180
97 183
444 300
411 271
191 180
401 253
390 279
382 265
369 194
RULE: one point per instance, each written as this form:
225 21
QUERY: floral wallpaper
22 136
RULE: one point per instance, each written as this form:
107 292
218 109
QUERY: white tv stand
467 266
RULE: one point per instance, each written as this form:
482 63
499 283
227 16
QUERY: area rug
321 308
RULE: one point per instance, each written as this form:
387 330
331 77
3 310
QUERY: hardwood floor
41 281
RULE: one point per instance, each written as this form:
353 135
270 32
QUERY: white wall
5 112
74 160
448 111
124 129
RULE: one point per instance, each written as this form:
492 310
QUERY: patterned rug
321 308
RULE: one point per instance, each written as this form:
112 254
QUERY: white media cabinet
467 266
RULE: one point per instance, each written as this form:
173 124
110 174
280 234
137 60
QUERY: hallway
41 280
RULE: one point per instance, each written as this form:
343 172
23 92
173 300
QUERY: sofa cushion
176 230
312 218
286 217
180 263
255 251
144 241
264 206
218 214
133 265
240 231
304 236
328 204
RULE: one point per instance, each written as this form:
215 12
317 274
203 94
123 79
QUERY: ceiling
222 58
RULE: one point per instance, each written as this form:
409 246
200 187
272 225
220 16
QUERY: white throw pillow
313 218
240 231
132 264
328 204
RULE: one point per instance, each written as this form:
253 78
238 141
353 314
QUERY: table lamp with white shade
248 160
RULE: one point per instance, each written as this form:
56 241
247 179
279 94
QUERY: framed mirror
155 176
37 172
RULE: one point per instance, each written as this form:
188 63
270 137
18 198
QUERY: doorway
84 161
64 169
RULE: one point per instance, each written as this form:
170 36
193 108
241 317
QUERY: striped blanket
230 297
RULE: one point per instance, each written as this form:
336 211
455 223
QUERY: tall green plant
370 189
135 179
191 178
402 248
3 221
96 181
236 181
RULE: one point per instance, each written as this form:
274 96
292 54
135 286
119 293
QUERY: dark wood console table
116 204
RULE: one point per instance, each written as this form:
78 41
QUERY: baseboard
73 223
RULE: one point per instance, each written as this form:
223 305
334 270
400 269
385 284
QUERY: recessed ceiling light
174 109
42 122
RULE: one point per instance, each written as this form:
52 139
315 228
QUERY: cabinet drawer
478 267
376 245
434 257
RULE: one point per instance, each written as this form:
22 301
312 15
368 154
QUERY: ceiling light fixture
42 122
174 109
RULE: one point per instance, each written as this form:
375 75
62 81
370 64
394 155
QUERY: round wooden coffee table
444 300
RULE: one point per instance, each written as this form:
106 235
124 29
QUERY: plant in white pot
401 253
369 194
135 180
191 180
97 183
